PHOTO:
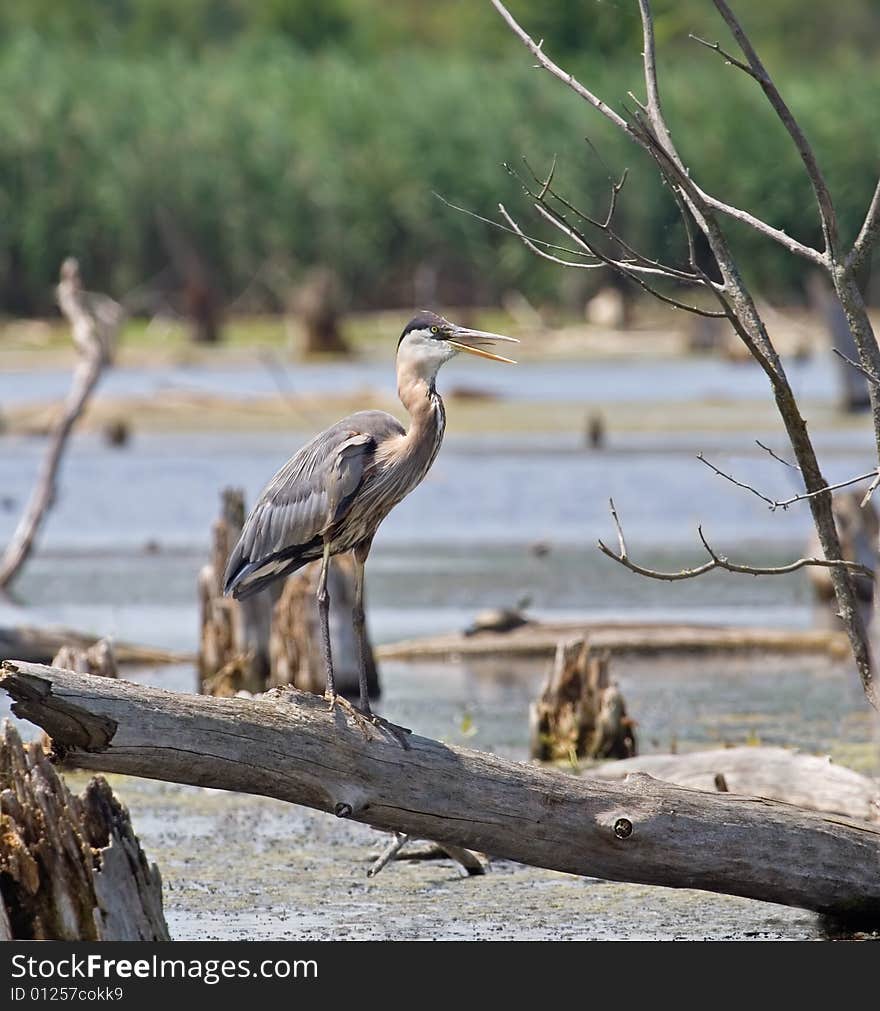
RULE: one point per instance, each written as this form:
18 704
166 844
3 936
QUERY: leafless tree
590 242
94 320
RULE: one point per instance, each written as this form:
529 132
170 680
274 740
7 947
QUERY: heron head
429 340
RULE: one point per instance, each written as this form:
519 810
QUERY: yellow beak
474 342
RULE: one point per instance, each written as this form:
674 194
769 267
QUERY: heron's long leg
360 629
360 558
324 616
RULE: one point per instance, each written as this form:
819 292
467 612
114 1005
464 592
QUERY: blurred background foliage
303 132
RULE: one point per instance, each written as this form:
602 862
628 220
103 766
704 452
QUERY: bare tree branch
512 231
791 244
530 245
94 321
647 129
727 57
868 236
717 561
775 504
867 373
827 213
776 456
638 260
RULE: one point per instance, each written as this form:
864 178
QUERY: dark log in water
291 746
540 639
41 645
72 867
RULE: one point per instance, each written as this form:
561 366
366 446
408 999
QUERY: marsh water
122 547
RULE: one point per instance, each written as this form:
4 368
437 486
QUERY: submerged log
71 868
808 781
273 637
540 639
581 713
291 746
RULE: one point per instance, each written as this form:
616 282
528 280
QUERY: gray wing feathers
312 491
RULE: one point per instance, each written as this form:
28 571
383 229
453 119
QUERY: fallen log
808 781
289 745
540 639
71 868
41 645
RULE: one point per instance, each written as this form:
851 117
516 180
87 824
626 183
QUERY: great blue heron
333 494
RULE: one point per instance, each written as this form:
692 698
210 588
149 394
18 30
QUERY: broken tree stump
581 713
273 637
294 642
234 635
289 745
98 659
71 868
317 306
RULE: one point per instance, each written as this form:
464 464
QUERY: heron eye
435 329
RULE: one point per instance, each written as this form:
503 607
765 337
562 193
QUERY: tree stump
581 713
273 637
71 868
316 304
98 659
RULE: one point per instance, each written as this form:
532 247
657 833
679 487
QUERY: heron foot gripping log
366 720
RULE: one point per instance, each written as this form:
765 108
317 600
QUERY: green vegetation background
300 132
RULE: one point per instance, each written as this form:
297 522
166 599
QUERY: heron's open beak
475 342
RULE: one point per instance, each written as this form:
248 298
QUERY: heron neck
427 416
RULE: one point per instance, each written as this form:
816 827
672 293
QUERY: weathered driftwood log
71 868
581 713
95 322
291 746
40 645
273 637
540 639
808 781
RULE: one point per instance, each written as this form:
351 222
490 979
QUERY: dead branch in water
291 746
95 322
